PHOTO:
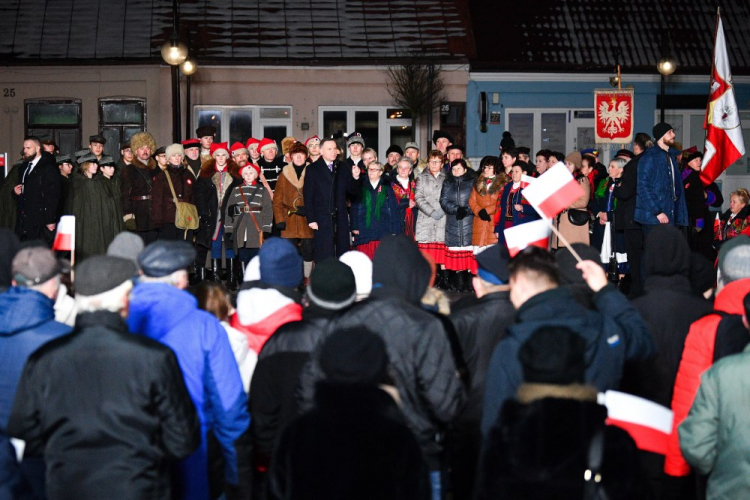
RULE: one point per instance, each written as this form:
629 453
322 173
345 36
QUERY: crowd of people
341 368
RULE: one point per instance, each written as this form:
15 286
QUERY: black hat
106 161
624 153
124 146
63 159
205 131
455 146
102 273
507 141
98 139
394 148
693 156
164 257
88 158
492 265
437 134
161 151
354 356
332 285
523 150
554 355
660 129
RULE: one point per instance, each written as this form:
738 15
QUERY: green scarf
380 199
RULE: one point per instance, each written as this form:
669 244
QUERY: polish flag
526 180
553 191
724 142
648 423
65 239
531 234
717 224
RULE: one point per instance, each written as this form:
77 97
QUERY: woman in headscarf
375 214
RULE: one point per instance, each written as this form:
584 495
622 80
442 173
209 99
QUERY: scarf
379 201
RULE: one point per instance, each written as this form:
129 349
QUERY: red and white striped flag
531 234
65 239
553 191
526 180
648 423
724 142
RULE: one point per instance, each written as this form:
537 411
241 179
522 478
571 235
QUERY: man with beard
137 179
192 158
240 154
660 196
37 193
205 135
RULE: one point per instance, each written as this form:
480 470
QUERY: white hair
111 300
170 279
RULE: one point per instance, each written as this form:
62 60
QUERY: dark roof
234 31
583 35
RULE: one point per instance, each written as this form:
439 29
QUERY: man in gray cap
108 409
161 309
411 151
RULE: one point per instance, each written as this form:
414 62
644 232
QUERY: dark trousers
172 232
634 249
323 243
305 246
148 236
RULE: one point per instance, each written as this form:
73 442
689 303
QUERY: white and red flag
531 234
648 423
526 180
724 142
65 239
553 191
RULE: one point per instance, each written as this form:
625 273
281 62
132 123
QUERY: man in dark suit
327 185
37 194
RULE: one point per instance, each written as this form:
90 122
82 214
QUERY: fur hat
267 143
286 144
142 139
175 149
204 131
298 147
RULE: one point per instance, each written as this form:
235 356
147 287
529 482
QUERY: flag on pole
531 234
65 239
648 423
724 142
526 180
553 191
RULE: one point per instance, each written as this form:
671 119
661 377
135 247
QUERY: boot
451 278
199 276
440 281
232 282
469 279
215 274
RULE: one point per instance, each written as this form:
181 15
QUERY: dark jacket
528 214
352 444
136 183
658 190
625 194
388 221
699 198
206 199
271 169
97 212
615 332
454 195
39 202
163 208
109 423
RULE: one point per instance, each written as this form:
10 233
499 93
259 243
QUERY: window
380 126
119 120
562 130
239 123
59 120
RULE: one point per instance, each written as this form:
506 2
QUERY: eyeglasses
436 162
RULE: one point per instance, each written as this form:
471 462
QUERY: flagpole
565 242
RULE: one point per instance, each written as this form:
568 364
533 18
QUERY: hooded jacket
171 316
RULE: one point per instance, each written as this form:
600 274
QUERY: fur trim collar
530 392
498 183
291 176
208 169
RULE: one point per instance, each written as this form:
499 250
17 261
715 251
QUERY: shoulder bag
186 214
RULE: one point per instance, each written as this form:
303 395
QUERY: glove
484 215
281 226
437 214
301 212
462 212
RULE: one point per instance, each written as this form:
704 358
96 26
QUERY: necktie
330 167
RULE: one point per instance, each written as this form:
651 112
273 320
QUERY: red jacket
697 357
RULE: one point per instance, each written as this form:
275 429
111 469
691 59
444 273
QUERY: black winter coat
109 423
455 193
206 200
272 169
39 202
136 183
626 196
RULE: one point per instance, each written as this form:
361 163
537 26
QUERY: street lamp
188 68
666 67
174 53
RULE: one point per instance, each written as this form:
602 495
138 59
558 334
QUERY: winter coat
614 333
571 232
109 423
714 437
271 170
27 321
97 212
165 313
39 200
8 205
136 183
241 230
658 191
209 196
358 432
699 198
626 196
287 198
484 197
163 209
528 213
455 194
427 197
261 310
740 224
697 357
388 221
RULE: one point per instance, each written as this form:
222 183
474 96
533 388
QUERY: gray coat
240 228
427 197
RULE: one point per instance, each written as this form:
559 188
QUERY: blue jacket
390 221
171 316
654 193
614 332
528 214
27 320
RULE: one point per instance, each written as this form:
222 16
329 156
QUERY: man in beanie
392 155
162 310
110 423
206 135
192 159
27 321
163 207
421 358
660 195
272 394
270 163
355 429
137 182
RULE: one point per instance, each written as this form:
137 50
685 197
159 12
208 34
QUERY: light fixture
614 80
188 67
666 66
174 52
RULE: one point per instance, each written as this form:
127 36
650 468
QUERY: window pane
240 125
395 114
122 112
67 140
366 123
334 123
44 134
676 121
276 133
697 134
275 113
521 127
210 117
112 148
52 114
129 132
452 114
400 135
585 138
553 131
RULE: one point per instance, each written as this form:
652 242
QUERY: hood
410 280
666 253
22 309
730 298
155 308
